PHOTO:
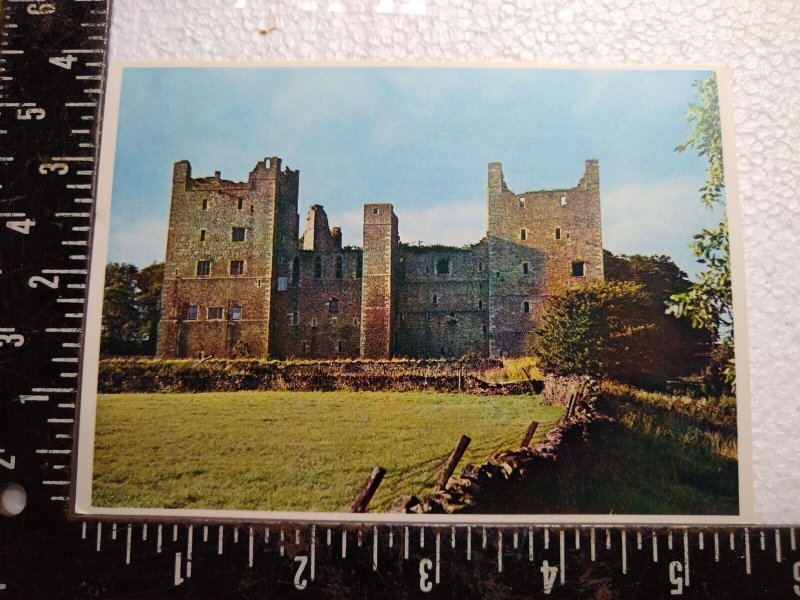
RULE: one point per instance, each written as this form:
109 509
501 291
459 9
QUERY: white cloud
140 242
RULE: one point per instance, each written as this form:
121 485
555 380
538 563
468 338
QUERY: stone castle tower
239 280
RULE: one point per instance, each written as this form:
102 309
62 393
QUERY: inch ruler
52 64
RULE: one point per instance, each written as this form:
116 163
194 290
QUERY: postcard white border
85 426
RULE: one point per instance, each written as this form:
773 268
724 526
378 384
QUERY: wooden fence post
526 440
361 502
452 462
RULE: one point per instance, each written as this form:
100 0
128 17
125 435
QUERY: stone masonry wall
267 291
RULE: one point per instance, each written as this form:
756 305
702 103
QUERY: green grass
664 455
301 451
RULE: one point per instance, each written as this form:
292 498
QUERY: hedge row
152 375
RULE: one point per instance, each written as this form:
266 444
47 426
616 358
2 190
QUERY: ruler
52 64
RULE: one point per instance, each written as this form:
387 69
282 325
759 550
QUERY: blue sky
418 138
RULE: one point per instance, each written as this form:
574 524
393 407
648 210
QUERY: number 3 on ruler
425 566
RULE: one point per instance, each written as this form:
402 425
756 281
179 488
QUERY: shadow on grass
651 461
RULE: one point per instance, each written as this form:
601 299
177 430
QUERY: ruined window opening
483 329
443 266
480 267
202 235
215 313
237 267
579 269
522 202
295 271
523 234
236 312
355 321
558 233
480 304
240 204
252 210
237 235
318 267
314 322
339 346
191 312
203 268
435 299
359 267
304 347
524 268
333 306
376 211
294 318
563 200
526 307
441 350
282 283
339 267
205 204
497 275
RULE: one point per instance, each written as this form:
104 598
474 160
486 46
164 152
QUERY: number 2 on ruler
8 464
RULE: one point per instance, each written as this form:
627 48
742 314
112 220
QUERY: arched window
296 271
318 267
339 267
333 305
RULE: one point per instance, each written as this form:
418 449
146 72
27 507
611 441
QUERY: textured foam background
759 40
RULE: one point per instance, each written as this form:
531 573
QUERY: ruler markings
83 530
669 539
99 536
732 541
562 557
66 405
762 540
344 543
159 538
469 543
63 436
128 547
546 538
438 557
515 539
792 540
700 540
624 553
375 547
499 550
189 543
778 546
314 551
655 547
638 540
219 540
54 390
405 543
686 557
577 539
530 544
747 566
592 544
113 531
716 546
144 532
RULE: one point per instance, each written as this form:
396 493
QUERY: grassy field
663 455
304 451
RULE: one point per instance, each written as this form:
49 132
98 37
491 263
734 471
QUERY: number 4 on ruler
8 464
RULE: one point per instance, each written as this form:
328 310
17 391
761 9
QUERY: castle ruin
240 279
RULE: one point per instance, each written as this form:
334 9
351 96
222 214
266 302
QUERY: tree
671 348
708 302
131 309
592 329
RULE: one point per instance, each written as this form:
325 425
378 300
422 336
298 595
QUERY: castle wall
442 301
305 323
240 280
219 260
380 255
541 243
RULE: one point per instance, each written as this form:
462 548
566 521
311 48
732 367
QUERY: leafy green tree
593 329
708 302
131 309
148 298
671 348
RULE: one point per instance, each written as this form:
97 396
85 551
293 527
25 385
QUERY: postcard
416 293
